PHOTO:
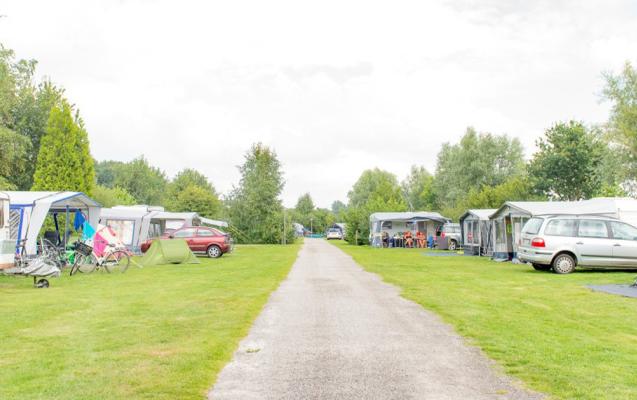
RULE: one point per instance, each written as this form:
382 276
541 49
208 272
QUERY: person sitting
409 240
385 239
420 239
396 240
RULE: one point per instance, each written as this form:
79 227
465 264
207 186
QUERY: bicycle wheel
83 263
52 252
117 261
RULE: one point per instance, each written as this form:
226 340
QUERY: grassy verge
548 330
158 333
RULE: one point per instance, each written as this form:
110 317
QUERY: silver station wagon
562 242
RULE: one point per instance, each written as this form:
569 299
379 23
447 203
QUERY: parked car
334 233
450 232
200 239
563 242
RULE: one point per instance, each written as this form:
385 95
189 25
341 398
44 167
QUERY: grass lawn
158 333
549 330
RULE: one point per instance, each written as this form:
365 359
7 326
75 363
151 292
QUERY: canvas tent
395 222
28 210
172 251
136 224
475 227
132 224
7 246
508 220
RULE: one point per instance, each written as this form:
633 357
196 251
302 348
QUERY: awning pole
66 227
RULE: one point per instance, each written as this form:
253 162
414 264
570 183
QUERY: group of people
406 239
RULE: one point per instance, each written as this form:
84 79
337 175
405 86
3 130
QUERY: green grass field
549 330
157 333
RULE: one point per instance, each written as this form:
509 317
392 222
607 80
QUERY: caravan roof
482 214
407 216
34 207
622 208
58 200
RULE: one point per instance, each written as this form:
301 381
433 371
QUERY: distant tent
7 245
475 226
398 222
171 251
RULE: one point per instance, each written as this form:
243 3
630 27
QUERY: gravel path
334 331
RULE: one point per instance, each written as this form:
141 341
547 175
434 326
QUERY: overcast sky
335 87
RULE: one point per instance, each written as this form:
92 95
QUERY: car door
593 243
624 244
188 234
204 238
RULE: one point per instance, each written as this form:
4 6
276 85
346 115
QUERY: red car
200 239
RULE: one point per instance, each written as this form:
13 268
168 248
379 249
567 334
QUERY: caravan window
154 230
123 229
386 225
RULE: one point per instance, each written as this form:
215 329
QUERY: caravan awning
213 222
34 207
408 216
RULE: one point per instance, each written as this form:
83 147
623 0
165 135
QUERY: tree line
573 161
44 145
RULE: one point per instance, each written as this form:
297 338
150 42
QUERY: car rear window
560 227
533 225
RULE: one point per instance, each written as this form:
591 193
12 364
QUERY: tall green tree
418 189
24 109
338 207
64 161
304 210
190 190
567 163
147 184
107 171
14 149
621 91
255 209
190 177
477 160
196 199
110 197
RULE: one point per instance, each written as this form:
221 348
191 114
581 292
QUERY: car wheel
541 267
563 264
214 251
453 245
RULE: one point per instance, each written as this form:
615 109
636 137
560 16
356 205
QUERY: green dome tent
171 251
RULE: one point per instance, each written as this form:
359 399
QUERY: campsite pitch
161 332
549 330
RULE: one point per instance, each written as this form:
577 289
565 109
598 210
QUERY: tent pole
57 226
66 227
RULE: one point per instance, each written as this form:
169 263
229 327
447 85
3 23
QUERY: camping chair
53 237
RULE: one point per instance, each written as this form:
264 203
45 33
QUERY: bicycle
114 259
